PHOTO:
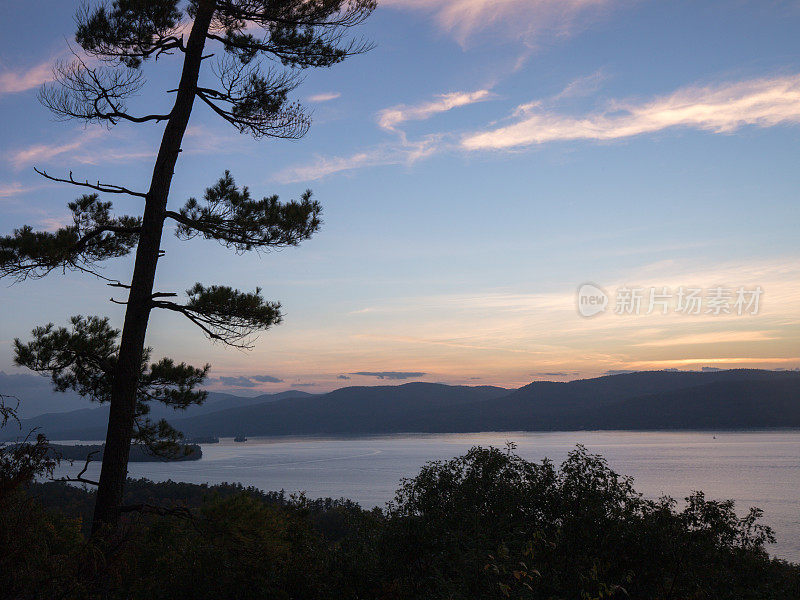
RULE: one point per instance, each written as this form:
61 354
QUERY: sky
483 162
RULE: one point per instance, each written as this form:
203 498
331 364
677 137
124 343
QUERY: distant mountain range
36 395
729 399
90 423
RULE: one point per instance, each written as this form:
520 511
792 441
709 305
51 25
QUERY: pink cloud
721 108
324 97
10 189
21 81
528 19
390 118
41 152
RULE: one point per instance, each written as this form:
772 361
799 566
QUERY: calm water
754 468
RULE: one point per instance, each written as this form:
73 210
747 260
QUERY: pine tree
263 46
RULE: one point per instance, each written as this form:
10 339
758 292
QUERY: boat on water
240 438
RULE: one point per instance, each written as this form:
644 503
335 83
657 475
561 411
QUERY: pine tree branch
106 188
93 94
299 34
83 358
68 259
122 33
309 14
95 235
22 461
231 217
194 319
80 478
8 413
226 315
323 55
84 241
288 123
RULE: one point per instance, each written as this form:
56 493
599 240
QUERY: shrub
487 524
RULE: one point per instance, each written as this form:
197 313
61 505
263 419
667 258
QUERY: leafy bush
36 547
491 524
488 524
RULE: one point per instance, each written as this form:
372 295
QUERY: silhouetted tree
21 461
117 39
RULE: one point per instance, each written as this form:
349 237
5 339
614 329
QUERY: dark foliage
251 97
327 515
484 525
37 548
235 220
23 460
226 314
95 235
129 30
490 524
83 357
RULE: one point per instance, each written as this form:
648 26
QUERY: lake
753 468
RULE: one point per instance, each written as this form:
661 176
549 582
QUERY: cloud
266 379
721 108
304 384
10 189
402 152
323 166
390 374
385 154
38 153
343 377
519 19
86 148
390 118
248 381
711 337
240 381
324 97
582 86
399 153
21 81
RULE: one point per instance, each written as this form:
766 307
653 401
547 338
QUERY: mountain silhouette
727 399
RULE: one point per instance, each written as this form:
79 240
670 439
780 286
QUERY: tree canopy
256 52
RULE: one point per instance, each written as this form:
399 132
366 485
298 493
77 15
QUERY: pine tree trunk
126 377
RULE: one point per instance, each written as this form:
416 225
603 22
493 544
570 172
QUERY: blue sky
484 160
